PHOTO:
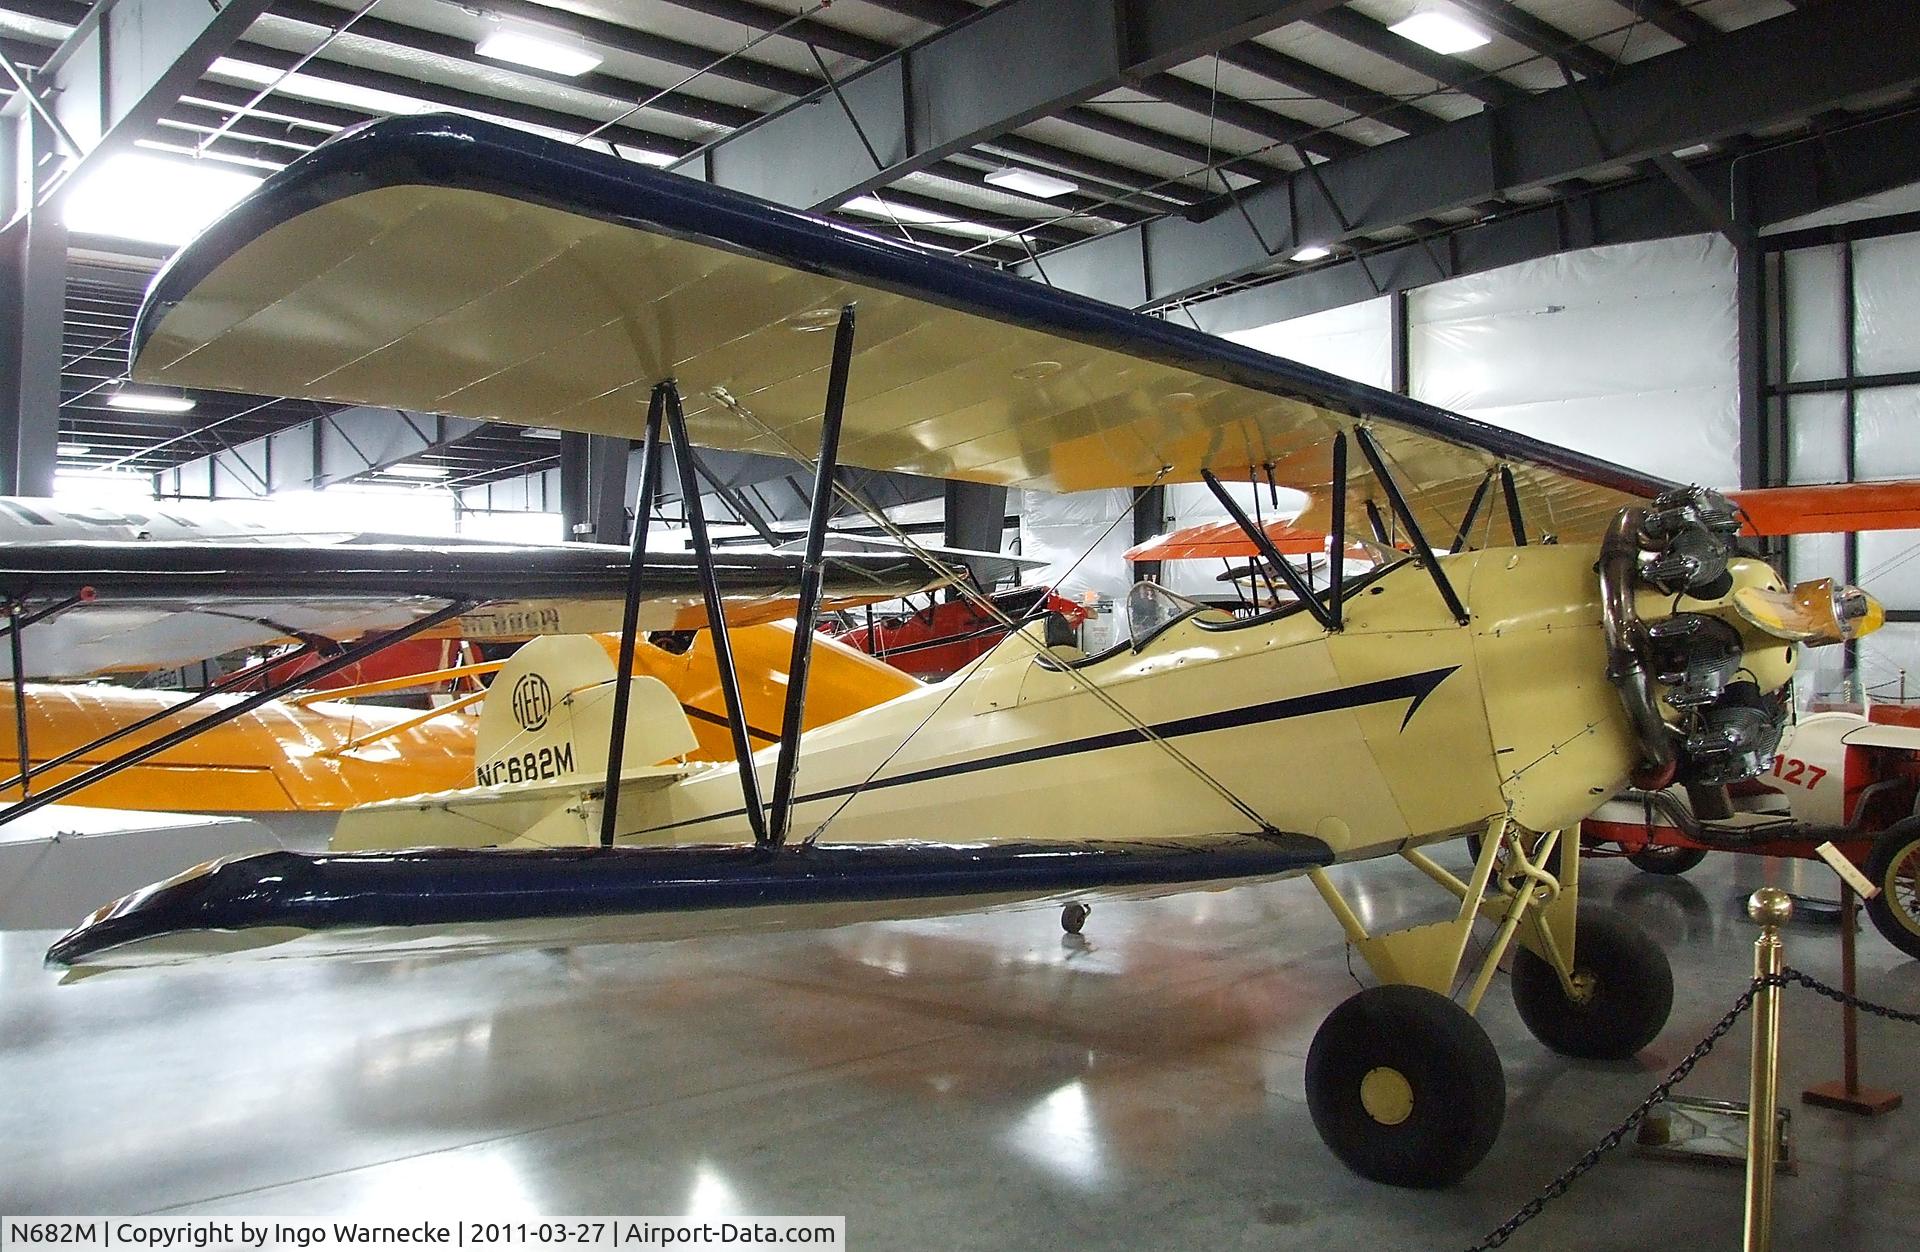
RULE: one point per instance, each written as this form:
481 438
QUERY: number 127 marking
1797 772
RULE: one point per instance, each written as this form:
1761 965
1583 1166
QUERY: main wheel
1625 985
1666 858
1894 867
1073 917
1405 1087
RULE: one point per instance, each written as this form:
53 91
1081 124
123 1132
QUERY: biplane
448 265
934 640
171 586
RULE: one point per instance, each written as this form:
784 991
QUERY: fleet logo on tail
532 701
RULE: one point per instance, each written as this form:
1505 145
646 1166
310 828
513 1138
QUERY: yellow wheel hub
1386 1095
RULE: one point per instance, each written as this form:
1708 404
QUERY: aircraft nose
1703 688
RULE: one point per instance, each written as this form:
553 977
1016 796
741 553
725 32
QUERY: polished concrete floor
976 1082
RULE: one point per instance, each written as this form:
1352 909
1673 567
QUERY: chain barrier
1615 1137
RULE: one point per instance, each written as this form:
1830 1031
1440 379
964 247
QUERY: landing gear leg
1403 1083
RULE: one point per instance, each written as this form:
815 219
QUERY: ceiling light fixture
407 469
541 52
539 432
1312 252
72 449
150 402
1442 32
1031 183
154 199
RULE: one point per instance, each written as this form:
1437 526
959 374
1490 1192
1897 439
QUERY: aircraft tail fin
549 716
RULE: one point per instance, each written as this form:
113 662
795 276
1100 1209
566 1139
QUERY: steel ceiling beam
1198 155
1781 182
316 454
1311 80
1542 37
1676 19
1782 70
725 64
679 104
128 61
959 87
1363 32
806 31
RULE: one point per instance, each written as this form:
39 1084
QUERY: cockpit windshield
1150 607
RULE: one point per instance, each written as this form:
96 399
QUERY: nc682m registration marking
536 766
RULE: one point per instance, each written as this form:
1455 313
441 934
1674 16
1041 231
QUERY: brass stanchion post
1772 908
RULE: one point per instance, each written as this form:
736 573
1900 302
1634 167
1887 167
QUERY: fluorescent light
410 470
1693 150
150 402
539 432
538 51
72 449
1439 31
913 215
1312 252
643 156
154 199
1045 186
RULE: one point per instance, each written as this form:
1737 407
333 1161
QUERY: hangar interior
1680 236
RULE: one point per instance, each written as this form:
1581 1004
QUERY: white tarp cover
1881 204
1060 530
1815 314
1352 341
1628 353
1886 289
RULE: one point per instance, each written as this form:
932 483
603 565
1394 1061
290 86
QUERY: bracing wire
985 605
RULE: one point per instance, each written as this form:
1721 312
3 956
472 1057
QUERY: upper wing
1225 541
1832 508
449 265
148 605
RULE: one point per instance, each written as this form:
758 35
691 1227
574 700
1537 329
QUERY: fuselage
1404 726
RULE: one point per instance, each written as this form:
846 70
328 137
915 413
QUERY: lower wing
447 900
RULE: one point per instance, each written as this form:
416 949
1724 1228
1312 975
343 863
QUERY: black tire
1894 867
1073 918
1630 996
1438 1055
1666 858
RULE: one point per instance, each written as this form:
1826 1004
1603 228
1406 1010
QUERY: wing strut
19 694
696 520
812 573
1421 552
630 614
1473 513
272 691
1337 550
1514 516
237 678
18 621
1264 542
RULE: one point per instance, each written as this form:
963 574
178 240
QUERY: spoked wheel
1894 867
1666 858
1073 917
1624 984
1405 1087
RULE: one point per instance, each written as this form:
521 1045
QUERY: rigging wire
985 605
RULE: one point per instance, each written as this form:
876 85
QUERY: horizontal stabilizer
560 812
447 899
